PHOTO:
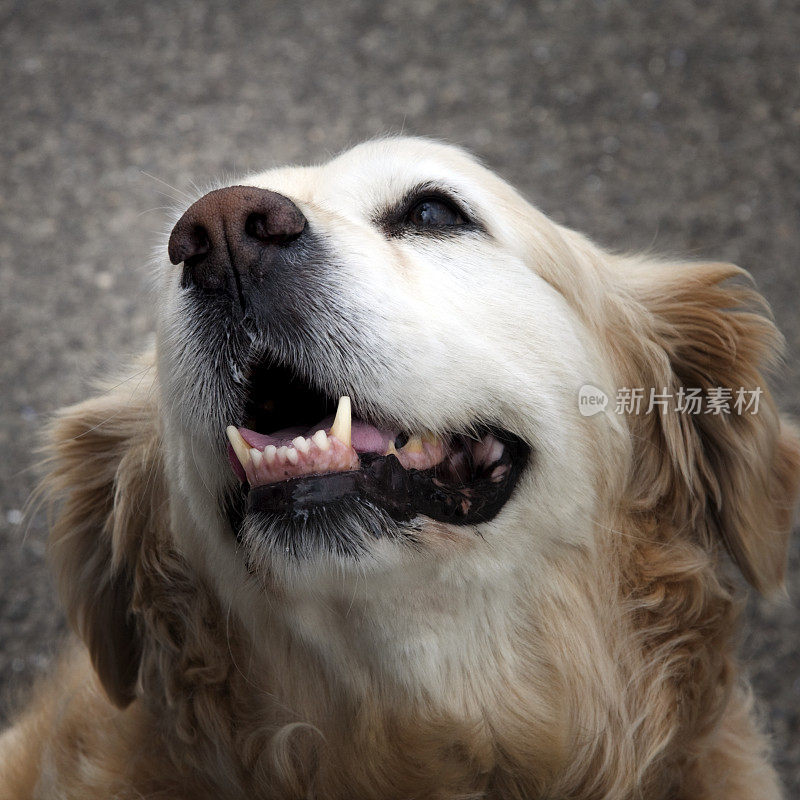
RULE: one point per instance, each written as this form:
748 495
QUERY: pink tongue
364 438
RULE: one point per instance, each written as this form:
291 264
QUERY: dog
408 500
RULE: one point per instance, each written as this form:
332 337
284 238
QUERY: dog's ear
104 472
732 476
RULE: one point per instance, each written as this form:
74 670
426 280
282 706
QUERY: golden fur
629 687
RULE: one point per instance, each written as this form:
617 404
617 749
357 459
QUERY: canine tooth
413 445
269 453
240 447
282 451
292 456
342 425
320 439
391 450
256 457
301 444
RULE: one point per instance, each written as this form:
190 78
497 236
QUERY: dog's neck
414 676
391 685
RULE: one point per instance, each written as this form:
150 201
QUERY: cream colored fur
579 645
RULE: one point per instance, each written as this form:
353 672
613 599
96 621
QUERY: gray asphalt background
672 126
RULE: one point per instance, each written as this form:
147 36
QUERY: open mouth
317 453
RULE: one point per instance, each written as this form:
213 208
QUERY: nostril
271 229
257 226
189 244
199 245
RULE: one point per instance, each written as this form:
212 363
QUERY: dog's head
392 362
400 349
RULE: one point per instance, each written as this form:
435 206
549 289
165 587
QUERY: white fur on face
448 330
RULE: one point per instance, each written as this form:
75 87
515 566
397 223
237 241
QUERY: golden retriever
409 501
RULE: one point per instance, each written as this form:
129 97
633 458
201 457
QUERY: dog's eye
434 212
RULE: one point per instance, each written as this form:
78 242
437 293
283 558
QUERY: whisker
169 186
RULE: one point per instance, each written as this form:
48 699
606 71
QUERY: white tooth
301 444
499 472
256 457
282 451
320 439
269 454
342 425
292 455
240 446
496 453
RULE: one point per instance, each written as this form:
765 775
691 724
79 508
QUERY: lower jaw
341 513
384 483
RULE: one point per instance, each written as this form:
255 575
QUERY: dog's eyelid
393 217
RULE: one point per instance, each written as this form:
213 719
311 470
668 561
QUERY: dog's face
407 284
395 342
364 434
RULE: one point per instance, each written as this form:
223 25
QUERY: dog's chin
346 531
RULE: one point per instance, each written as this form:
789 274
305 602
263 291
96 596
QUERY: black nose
233 232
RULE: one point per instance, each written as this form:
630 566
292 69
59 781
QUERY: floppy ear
105 473
731 477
